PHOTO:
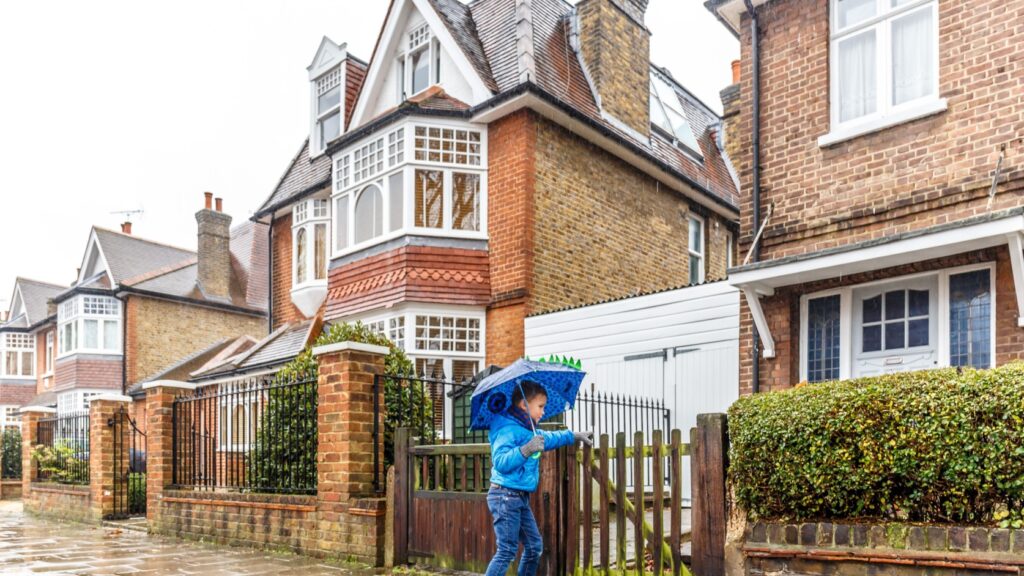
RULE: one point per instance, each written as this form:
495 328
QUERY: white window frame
9 417
702 253
409 314
730 247
351 185
77 322
50 351
403 64
8 342
848 323
886 114
316 145
307 215
77 401
249 402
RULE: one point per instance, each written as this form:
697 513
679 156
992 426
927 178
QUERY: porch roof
975 233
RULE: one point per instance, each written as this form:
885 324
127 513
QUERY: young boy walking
515 472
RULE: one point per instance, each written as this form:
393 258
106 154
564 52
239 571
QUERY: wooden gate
591 520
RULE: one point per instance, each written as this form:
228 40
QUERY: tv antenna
128 213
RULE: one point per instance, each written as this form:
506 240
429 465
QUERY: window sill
880 123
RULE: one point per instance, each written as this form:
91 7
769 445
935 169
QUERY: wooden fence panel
708 466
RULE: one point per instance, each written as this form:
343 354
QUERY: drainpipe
270 276
755 79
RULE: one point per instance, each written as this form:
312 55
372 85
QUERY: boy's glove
585 437
536 444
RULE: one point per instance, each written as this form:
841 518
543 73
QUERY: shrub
64 462
136 492
10 453
940 445
281 466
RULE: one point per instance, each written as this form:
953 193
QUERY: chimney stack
735 71
220 205
214 252
126 227
730 113
616 48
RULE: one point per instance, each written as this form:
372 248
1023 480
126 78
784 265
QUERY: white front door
895 327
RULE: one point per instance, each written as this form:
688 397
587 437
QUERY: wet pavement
29 545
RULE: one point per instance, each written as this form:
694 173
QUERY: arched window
300 255
369 214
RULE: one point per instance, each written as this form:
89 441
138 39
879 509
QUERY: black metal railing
10 454
252 435
61 453
129 463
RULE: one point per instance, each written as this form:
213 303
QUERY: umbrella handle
535 455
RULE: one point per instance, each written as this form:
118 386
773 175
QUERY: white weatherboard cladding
681 345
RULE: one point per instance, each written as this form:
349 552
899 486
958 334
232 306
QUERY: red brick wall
44 383
18 394
264 520
281 274
907 177
783 314
409 273
59 501
87 372
506 337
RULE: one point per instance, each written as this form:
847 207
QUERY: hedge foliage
932 446
10 453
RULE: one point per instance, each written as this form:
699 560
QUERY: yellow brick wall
161 333
605 230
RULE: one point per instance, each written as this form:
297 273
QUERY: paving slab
30 545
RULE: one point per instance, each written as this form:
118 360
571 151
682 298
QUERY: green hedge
936 446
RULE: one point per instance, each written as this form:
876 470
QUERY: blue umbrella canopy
493 396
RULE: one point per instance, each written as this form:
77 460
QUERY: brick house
890 182
490 161
139 306
26 346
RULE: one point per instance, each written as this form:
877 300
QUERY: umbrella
494 394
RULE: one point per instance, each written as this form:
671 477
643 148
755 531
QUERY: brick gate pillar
160 397
350 514
102 410
30 416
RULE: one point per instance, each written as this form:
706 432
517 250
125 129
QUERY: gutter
32 328
270 276
192 301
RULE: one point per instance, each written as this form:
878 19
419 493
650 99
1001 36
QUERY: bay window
885 58
417 179
310 219
90 324
443 343
915 322
17 355
76 401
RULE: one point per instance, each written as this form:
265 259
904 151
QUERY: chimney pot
735 71
126 227
220 204
209 200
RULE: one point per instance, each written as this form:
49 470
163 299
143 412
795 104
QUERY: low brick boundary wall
258 520
61 501
10 489
813 549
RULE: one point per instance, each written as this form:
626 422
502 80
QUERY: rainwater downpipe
755 80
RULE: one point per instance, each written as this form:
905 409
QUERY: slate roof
145 265
277 348
34 295
488 33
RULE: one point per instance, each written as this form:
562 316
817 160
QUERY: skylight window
667 114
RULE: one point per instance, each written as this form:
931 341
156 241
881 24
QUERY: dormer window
668 115
420 65
310 220
328 107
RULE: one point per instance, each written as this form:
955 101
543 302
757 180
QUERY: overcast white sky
126 105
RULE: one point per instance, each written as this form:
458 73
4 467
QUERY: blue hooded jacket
509 468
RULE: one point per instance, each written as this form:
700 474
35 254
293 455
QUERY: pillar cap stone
354 346
169 384
111 398
43 409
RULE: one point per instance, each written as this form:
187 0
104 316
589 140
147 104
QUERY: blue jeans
514 523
